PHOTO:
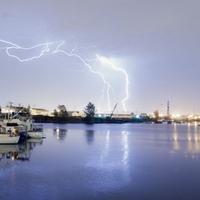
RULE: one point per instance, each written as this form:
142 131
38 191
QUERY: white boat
9 136
36 134
12 126
25 125
36 131
6 138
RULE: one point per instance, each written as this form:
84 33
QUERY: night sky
157 42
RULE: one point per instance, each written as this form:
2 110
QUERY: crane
113 111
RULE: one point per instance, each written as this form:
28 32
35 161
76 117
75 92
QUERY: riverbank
50 119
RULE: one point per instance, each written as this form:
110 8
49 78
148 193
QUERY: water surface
126 161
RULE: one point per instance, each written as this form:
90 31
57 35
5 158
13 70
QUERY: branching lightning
11 46
73 54
106 61
50 48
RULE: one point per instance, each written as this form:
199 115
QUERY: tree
90 112
55 113
62 111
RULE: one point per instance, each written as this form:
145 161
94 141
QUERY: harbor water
104 162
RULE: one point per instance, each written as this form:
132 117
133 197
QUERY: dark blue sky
156 42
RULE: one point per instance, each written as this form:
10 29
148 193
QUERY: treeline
62 116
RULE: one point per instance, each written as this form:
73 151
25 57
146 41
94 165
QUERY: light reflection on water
188 142
104 162
60 134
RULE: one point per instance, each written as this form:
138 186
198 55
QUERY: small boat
36 134
7 139
9 136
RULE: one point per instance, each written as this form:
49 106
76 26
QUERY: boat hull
36 134
7 139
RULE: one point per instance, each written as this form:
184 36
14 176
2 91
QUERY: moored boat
36 134
9 136
23 120
6 138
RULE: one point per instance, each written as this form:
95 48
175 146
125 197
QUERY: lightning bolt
73 54
50 48
108 62
11 46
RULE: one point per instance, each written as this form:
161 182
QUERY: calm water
109 162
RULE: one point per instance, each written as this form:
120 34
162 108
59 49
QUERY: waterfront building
76 113
123 116
39 111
